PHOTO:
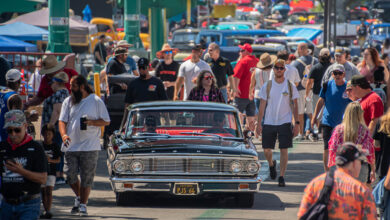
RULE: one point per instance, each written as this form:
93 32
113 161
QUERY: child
53 154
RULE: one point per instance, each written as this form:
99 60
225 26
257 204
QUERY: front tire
245 200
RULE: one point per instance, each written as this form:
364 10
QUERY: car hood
189 146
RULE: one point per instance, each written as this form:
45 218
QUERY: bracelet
64 136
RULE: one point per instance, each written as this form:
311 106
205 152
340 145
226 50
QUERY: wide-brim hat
50 64
120 50
165 48
123 43
266 60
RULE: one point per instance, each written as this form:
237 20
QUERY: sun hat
50 64
13 75
266 60
119 51
14 118
123 43
165 48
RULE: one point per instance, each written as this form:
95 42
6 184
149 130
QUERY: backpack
362 30
290 91
306 72
319 210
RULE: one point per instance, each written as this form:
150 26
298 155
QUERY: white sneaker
76 209
299 137
83 210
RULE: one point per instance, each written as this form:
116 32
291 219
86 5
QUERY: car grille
190 166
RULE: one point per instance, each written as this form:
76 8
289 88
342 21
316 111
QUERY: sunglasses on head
168 52
208 77
279 67
338 73
16 130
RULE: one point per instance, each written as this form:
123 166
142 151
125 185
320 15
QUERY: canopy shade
22 31
9 44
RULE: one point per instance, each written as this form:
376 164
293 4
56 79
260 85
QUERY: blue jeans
24 211
224 94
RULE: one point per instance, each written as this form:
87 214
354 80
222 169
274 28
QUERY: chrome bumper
206 185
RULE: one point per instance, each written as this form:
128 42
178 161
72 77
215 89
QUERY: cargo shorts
83 162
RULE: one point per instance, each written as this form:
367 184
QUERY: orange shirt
350 199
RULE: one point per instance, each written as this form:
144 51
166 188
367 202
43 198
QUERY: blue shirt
130 64
335 103
4 96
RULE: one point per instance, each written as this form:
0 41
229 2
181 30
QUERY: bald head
303 49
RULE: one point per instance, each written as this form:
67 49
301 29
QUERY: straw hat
165 48
266 60
51 65
123 43
120 50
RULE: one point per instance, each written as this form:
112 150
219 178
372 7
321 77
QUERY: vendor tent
9 44
22 31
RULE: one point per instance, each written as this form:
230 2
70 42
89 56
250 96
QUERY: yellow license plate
186 189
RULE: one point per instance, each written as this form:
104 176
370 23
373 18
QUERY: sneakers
311 138
60 181
272 170
83 210
47 215
76 209
299 137
281 182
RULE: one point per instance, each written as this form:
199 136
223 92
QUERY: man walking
145 87
303 63
168 69
23 170
82 116
222 69
349 198
189 71
279 103
9 98
335 101
100 50
340 57
242 80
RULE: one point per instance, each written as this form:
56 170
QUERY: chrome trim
186 180
184 156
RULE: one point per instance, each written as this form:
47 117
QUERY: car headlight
136 166
236 167
252 167
119 166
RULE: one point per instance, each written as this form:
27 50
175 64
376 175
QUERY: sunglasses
208 77
278 68
16 130
242 50
338 73
168 52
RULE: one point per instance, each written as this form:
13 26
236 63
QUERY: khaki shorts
51 181
304 106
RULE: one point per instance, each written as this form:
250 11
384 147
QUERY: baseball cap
339 51
348 153
338 67
361 81
197 47
143 62
246 47
324 51
355 59
14 118
13 75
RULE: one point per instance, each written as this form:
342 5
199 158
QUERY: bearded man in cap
50 67
130 64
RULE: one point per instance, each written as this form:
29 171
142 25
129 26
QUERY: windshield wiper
204 134
149 135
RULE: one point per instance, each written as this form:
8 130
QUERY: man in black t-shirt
167 69
222 70
100 50
116 66
145 87
23 170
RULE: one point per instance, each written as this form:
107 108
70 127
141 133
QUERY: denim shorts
84 162
24 211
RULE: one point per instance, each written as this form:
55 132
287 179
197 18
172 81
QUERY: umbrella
87 13
22 31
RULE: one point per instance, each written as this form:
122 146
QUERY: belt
21 199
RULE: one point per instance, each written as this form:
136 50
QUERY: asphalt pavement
273 202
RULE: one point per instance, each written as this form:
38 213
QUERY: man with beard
278 100
145 87
82 115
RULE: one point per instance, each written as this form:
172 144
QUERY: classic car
183 149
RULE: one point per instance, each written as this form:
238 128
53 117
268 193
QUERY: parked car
377 35
273 43
293 42
184 39
183 149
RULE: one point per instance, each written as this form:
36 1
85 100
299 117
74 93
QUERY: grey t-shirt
350 70
301 68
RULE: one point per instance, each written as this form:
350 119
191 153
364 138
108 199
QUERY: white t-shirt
92 107
189 71
261 77
278 110
291 74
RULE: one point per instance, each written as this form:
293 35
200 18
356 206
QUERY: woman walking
371 61
206 89
353 129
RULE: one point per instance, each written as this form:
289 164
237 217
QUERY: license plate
186 189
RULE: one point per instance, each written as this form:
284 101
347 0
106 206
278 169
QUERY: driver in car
218 123
150 124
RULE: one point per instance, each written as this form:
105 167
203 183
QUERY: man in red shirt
50 67
371 103
242 80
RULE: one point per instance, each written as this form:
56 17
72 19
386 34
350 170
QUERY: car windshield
184 37
381 31
167 123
